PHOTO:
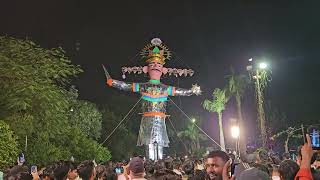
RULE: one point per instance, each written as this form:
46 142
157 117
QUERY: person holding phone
304 172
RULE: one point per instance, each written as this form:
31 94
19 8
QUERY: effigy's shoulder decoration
171 71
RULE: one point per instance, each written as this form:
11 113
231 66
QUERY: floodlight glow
263 65
193 120
235 131
250 59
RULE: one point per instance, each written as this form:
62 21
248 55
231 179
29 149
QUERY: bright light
235 131
250 59
193 120
263 65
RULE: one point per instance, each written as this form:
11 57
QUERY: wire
175 130
121 121
195 124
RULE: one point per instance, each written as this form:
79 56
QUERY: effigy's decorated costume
153 133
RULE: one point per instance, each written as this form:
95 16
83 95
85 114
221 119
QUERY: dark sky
207 36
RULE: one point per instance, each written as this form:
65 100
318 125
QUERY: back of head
18 172
188 167
224 156
198 175
149 167
168 163
61 169
85 169
253 174
101 171
288 169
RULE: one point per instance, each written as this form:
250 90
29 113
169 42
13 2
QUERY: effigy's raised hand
106 72
196 89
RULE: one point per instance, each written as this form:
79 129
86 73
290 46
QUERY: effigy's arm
121 85
124 86
195 90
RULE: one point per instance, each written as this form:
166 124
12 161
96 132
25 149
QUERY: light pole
260 75
235 133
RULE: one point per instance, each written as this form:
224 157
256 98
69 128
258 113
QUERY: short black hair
218 153
61 169
288 169
85 169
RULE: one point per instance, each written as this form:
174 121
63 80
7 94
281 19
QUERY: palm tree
217 104
193 134
237 85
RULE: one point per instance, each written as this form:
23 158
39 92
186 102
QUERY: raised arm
195 90
124 86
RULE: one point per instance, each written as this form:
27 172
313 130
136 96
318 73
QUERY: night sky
206 36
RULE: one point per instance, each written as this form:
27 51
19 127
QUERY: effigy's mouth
155 70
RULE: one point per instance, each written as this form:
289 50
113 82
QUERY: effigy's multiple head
155 55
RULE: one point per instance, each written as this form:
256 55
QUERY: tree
35 102
217 104
194 136
122 143
86 116
290 132
8 146
237 84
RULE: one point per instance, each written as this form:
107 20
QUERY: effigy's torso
153 127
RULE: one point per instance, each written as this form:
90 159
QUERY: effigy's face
155 70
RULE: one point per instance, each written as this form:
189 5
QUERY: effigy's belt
152 113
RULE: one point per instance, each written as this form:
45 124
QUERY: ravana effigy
153 132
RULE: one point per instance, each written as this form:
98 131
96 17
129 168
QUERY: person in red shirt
304 172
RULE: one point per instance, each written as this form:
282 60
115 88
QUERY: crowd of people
217 165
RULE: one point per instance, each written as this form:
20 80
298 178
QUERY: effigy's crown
155 52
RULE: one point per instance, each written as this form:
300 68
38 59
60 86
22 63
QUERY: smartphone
118 170
314 136
34 169
21 158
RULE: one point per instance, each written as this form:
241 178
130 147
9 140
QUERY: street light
193 120
260 73
263 65
235 132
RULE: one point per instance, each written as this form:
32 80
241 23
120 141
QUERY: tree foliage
193 136
122 143
86 116
35 102
217 105
8 146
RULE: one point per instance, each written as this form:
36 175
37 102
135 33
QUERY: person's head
101 172
288 169
168 163
214 164
262 156
86 170
198 175
275 172
47 173
188 167
176 164
18 172
61 169
72 174
149 167
285 156
253 174
136 168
